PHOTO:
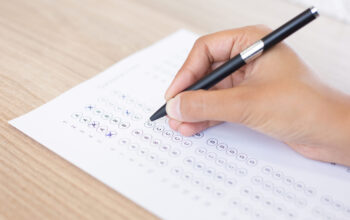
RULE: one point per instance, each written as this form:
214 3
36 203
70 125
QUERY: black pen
248 54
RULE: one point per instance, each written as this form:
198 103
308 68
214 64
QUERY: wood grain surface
48 46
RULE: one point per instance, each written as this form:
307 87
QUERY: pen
248 54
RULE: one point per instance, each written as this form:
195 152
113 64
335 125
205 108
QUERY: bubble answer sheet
226 172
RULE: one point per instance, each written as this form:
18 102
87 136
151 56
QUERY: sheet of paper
226 172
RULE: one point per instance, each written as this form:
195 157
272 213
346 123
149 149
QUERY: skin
276 94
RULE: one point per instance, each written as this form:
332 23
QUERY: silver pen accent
253 51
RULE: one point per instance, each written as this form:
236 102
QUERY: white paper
226 172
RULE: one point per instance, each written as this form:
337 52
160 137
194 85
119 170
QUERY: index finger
207 50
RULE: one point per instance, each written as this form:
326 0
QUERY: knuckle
200 102
192 105
240 112
183 104
201 41
192 76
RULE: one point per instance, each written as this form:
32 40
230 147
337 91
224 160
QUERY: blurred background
105 31
339 9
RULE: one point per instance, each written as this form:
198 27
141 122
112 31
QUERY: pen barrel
267 42
218 74
289 28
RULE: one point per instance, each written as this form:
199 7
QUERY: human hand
276 94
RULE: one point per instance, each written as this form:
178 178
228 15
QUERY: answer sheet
226 172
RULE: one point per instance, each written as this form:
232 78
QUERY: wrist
342 146
331 128
346 130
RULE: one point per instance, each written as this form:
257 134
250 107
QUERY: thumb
202 105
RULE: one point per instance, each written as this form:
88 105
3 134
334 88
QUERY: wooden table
47 47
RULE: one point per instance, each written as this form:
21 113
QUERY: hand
276 94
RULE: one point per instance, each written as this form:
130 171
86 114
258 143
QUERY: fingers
209 49
213 105
206 50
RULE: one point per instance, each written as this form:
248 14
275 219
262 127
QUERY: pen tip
161 112
153 117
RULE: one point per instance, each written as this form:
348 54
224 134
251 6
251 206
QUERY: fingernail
173 108
166 95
